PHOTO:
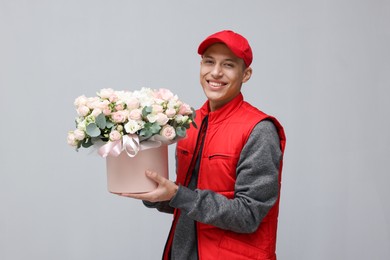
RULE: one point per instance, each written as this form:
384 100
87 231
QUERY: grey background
321 67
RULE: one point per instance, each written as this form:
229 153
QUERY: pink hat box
126 174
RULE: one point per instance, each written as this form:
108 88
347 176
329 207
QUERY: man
226 196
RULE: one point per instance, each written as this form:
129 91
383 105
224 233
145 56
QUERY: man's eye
208 62
229 65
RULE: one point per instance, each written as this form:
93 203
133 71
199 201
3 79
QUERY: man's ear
247 74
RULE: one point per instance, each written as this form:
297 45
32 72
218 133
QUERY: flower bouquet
131 130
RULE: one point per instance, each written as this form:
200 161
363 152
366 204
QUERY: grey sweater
256 191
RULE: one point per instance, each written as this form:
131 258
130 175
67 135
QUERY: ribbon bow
129 143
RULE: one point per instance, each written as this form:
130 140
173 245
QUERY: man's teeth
215 84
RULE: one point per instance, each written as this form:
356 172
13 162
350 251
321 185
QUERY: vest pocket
222 156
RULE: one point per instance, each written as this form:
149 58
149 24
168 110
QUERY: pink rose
132 103
113 98
92 102
96 112
135 114
119 107
185 109
165 94
71 139
82 110
115 135
107 112
162 119
80 101
119 116
157 109
79 134
168 132
106 93
102 104
170 112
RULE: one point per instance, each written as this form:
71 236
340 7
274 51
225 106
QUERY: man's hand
165 190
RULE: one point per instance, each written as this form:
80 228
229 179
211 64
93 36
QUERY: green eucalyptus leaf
146 133
181 131
109 124
101 121
155 128
146 111
92 130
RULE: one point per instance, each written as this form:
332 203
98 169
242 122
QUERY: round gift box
126 174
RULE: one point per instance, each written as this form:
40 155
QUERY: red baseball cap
234 41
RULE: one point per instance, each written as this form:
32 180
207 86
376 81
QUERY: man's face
222 74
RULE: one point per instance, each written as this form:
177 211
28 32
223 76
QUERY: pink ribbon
129 143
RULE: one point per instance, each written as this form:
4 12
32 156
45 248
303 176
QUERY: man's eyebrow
228 59
207 56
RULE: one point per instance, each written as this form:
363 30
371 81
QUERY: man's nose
217 71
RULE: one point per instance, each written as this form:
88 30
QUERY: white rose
132 127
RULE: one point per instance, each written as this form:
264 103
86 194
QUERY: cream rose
168 132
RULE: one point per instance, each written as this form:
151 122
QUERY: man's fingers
154 176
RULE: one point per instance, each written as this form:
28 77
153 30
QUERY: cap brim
206 43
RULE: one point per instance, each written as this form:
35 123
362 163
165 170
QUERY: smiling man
225 201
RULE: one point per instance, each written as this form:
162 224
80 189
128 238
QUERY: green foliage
92 130
87 143
146 133
146 111
155 128
181 131
109 124
101 121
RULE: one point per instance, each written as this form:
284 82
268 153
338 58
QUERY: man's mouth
216 84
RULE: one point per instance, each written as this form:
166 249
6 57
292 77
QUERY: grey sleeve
256 189
162 206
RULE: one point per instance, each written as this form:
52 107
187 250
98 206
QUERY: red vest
228 130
